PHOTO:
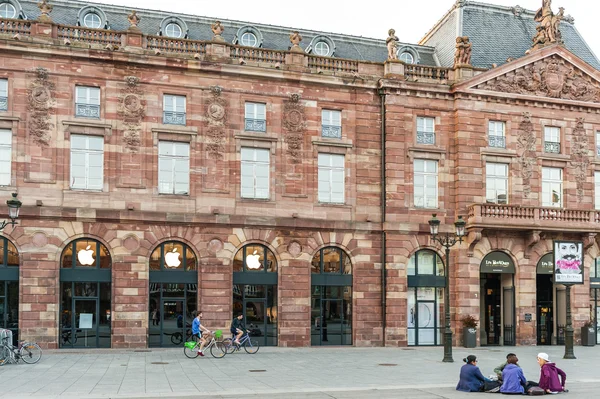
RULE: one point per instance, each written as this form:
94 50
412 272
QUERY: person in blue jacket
513 379
471 379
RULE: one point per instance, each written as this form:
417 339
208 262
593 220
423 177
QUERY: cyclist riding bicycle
238 328
197 329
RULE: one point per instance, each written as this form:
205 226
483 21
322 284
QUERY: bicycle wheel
176 338
30 352
229 347
251 346
192 353
218 349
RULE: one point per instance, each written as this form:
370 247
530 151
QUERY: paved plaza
277 373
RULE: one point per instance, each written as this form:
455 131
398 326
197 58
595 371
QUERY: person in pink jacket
549 375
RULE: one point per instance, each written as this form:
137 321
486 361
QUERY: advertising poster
568 262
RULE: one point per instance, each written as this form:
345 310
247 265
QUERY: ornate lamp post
13 211
447 241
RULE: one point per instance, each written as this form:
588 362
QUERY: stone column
293 304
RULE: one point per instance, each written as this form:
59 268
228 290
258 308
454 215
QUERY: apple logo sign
86 256
252 261
172 258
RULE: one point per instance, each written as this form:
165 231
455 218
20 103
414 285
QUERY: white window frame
249 39
425 180
598 150
404 56
597 190
322 49
176 104
496 182
497 129
331 178
173 168
172 34
94 23
552 135
4 8
90 156
87 95
5 157
4 92
425 124
254 114
331 118
255 173
552 182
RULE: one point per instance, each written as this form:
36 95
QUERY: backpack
535 391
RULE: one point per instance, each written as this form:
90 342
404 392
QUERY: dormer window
248 36
321 46
173 27
322 49
7 10
406 57
173 30
92 20
249 40
92 17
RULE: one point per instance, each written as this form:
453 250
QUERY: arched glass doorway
551 304
85 286
331 298
255 291
9 287
425 299
173 294
497 276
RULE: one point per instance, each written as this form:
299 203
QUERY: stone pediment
557 75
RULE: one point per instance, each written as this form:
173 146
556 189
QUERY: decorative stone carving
462 54
548 31
526 152
549 77
46 9
217 29
588 239
532 238
41 102
294 121
392 46
134 20
580 158
294 249
132 109
295 39
568 18
216 116
215 245
473 237
517 10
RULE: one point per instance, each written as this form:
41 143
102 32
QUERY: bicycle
217 349
177 337
29 352
251 346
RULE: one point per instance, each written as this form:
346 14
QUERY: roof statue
133 19
217 28
295 39
46 9
391 45
548 31
462 54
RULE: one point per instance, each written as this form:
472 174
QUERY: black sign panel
546 264
497 262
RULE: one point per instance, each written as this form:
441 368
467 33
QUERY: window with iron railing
425 131
255 118
598 144
174 110
3 94
331 124
87 102
552 140
496 134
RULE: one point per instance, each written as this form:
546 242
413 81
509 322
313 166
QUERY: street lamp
447 241
13 211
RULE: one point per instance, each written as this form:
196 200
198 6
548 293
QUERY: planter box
588 336
469 337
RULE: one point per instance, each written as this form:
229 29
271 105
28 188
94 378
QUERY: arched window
425 298
7 10
9 287
407 57
85 279
92 17
331 297
92 20
248 36
173 293
322 49
173 27
173 30
322 46
249 39
255 291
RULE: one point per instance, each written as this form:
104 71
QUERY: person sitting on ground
513 379
498 370
238 328
471 379
549 373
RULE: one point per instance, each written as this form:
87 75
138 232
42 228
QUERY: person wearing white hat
549 375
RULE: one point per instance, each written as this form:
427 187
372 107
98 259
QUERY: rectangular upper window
425 130
255 167
552 187
3 94
87 102
426 183
331 124
597 190
5 157
497 134
87 162
331 178
598 144
174 110
255 117
496 183
173 167
552 139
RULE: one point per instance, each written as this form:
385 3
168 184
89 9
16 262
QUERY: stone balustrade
180 46
14 26
259 55
88 35
333 64
426 73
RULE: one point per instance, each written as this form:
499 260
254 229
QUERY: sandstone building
168 162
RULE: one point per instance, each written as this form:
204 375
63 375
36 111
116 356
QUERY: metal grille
87 111
497 141
552 147
331 131
174 118
425 138
509 335
3 103
255 125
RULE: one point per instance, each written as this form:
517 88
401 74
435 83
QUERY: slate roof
497 33
275 37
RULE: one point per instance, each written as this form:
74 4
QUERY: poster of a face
568 262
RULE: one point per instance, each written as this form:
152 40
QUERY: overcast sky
370 18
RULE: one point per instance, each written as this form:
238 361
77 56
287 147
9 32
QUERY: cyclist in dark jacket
238 327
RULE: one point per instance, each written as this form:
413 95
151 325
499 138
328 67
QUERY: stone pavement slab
276 372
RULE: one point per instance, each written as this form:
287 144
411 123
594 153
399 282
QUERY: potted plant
469 331
588 333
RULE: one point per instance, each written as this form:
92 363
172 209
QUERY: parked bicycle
177 337
217 348
251 346
29 352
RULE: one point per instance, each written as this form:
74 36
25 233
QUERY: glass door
255 317
173 332
9 308
85 333
331 315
